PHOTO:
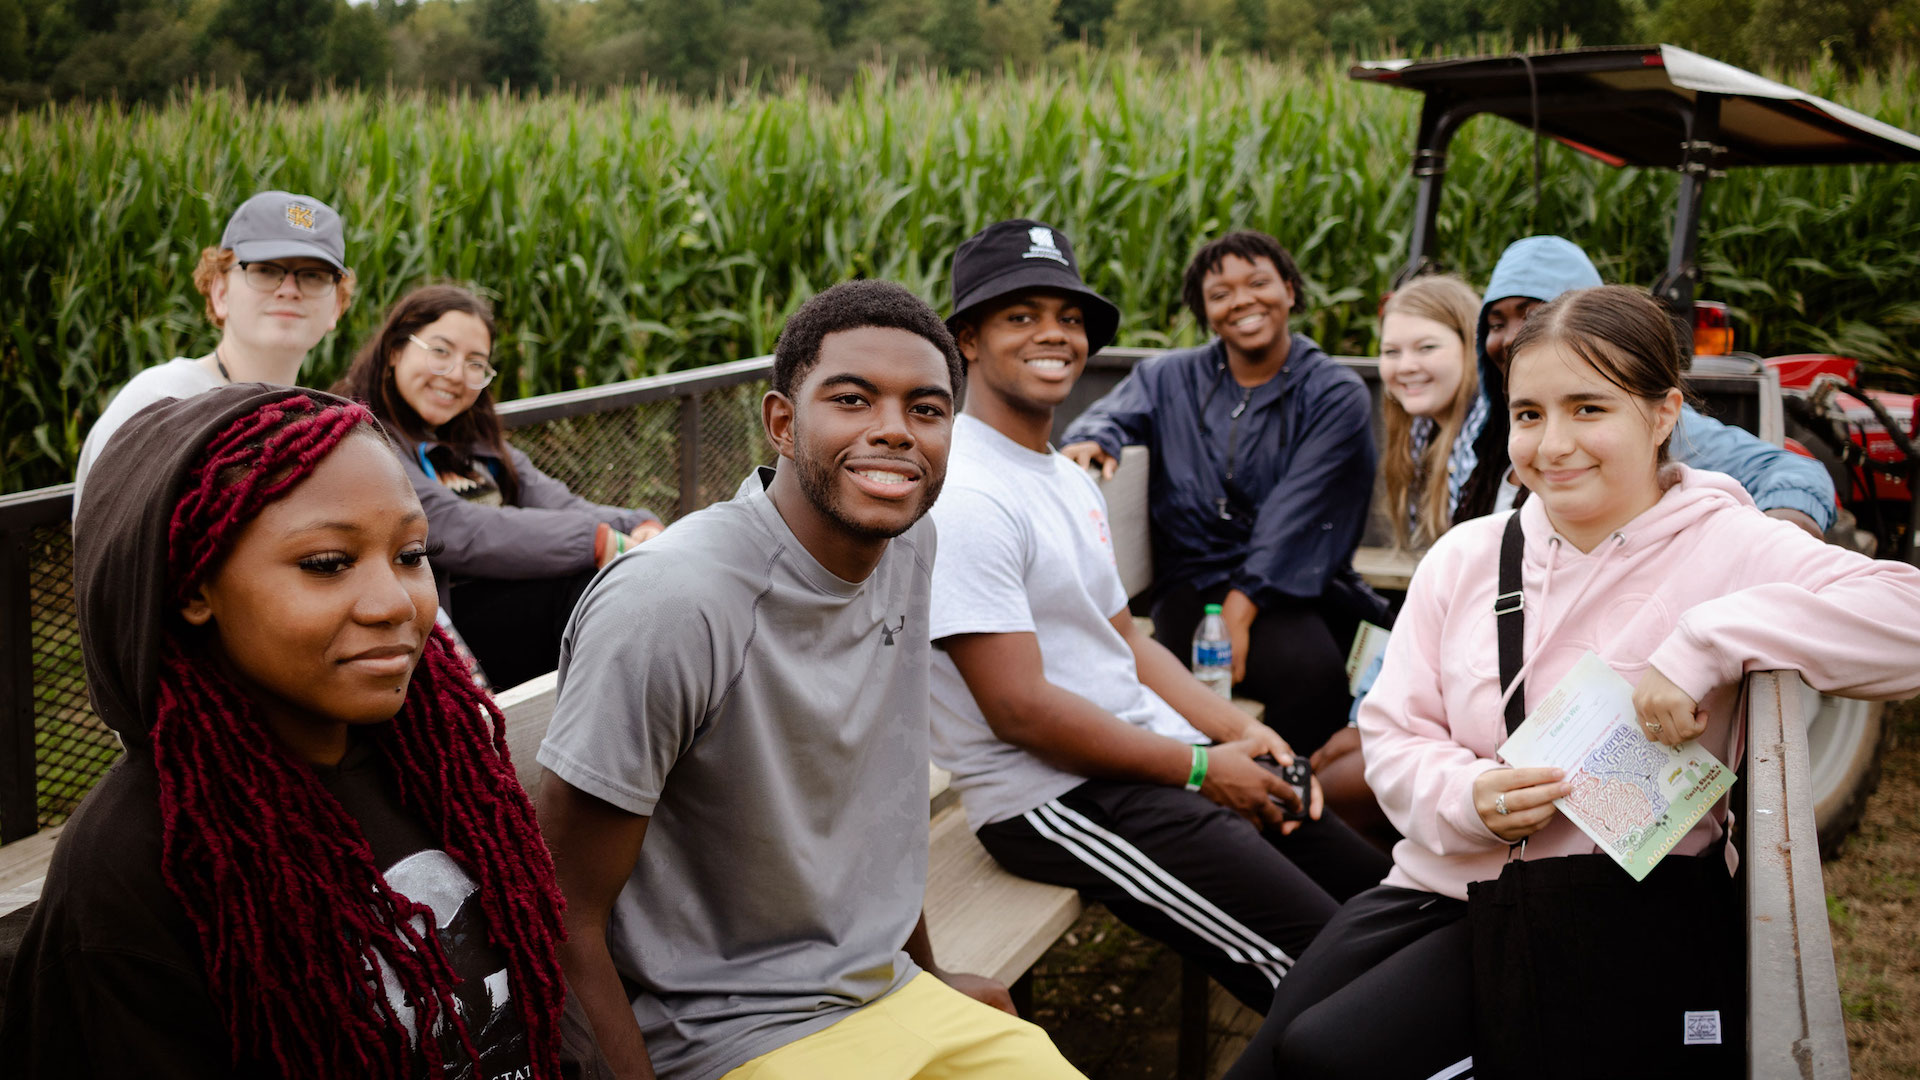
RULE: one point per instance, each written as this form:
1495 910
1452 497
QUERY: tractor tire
1846 740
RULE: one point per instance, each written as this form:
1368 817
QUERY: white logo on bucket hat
1043 246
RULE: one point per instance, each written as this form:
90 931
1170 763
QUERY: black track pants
514 627
1296 658
1185 871
1385 993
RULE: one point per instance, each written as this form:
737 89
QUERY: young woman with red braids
313 859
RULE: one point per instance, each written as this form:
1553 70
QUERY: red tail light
1712 329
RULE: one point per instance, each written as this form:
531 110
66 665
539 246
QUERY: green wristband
1198 774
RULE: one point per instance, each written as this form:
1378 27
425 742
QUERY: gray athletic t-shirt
771 719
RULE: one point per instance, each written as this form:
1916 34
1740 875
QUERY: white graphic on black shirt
483 996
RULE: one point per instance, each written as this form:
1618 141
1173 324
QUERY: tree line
141 50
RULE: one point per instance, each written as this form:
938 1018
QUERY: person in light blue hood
1537 269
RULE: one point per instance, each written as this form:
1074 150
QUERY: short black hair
851 305
1248 245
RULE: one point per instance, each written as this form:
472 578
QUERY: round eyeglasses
312 281
476 373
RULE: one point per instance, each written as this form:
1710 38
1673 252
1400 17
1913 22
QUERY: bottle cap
1213 609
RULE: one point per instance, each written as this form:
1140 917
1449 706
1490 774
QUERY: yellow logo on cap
300 217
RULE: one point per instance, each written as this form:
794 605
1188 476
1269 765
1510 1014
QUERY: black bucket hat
1015 256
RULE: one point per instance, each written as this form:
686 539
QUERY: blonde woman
1433 396
1434 409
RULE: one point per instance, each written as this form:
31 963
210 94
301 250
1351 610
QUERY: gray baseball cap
282 225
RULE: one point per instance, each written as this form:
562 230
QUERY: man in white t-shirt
276 285
1085 754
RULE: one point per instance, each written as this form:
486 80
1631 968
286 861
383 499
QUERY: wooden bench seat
981 918
23 869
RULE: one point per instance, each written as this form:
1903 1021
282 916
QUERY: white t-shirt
1025 547
178 378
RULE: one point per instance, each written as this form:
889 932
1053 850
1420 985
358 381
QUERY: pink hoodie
1702 586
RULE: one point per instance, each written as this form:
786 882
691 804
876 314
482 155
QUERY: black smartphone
1299 777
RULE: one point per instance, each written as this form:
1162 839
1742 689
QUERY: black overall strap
1510 620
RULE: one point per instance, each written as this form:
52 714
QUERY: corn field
640 232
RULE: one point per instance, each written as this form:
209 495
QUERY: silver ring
1653 726
1500 803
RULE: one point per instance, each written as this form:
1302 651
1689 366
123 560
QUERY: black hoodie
110 980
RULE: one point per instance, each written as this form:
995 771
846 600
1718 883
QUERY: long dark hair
291 911
370 380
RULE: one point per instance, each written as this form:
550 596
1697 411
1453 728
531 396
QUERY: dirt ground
1111 997
1873 904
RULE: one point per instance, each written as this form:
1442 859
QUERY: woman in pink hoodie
1670 575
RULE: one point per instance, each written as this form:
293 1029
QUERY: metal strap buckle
1500 602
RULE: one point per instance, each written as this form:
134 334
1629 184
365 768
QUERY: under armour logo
887 632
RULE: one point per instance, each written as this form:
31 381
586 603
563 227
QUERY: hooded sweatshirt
110 981
1543 267
1660 592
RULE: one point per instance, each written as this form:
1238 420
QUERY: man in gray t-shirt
736 788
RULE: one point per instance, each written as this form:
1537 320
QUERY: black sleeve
108 981
109 1015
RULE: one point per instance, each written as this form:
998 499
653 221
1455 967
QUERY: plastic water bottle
1213 653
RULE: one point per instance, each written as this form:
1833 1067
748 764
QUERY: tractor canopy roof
1632 105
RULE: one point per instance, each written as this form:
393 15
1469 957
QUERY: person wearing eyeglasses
275 286
514 549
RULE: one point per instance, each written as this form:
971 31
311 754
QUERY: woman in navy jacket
1262 473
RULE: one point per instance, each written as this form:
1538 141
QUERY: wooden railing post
1795 1030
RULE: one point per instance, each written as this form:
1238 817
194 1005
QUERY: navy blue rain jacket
1271 496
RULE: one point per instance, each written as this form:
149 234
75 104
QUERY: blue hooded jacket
1266 488
1543 267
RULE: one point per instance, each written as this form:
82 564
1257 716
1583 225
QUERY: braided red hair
295 920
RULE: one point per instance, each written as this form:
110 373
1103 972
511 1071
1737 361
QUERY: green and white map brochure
1634 796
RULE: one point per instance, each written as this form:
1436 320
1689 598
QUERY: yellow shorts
925 1030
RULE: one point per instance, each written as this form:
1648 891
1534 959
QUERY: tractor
1667 108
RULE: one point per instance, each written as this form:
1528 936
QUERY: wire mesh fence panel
627 456
72 747
732 439
624 457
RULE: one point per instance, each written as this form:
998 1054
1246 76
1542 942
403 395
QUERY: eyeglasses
441 361
313 282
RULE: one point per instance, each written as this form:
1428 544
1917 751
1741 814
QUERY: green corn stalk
638 232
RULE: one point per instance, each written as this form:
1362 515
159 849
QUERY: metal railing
671 443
